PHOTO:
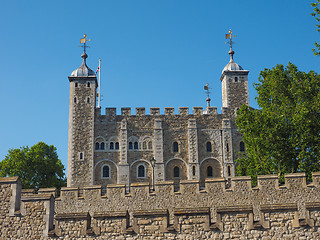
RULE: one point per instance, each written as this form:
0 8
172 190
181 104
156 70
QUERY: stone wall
215 211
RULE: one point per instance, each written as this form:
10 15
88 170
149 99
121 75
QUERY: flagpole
99 93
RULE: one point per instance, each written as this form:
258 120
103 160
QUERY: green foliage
316 14
284 135
38 166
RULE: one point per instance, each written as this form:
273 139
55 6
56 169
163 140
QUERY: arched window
144 145
141 171
105 171
88 100
150 145
209 147
75 100
176 172
229 171
209 171
97 146
175 147
130 145
136 145
81 156
193 170
88 84
111 145
242 149
227 147
102 146
117 145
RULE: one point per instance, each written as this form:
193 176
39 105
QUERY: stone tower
234 81
83 84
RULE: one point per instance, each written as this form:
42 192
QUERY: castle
159 176
124 149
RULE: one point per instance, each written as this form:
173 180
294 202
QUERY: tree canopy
316 14
284 135
38 166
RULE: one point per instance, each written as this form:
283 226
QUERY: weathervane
207 89
84 40
230 36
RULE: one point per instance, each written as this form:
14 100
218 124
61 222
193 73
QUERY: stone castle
157 176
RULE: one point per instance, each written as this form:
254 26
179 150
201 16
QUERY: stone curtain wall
268 211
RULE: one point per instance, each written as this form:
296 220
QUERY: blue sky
154 54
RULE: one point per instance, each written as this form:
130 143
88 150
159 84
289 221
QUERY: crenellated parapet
214 210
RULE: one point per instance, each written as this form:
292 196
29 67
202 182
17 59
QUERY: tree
38 166
284 135
316 14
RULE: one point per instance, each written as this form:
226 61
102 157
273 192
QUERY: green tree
316 14
38 166
284 135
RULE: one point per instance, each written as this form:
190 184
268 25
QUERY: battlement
155 111
216 209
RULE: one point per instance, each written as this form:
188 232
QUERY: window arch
105 171
102 146
176 172
111 145
130 146
136 146
175 147
141 171
209 171
242 147
97 146
117 145
209 147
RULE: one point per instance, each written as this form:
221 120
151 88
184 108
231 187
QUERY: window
88 84
97 146
88 100
193 170
136 145
144 145
141 171
209 147
81 156
75 100
111 145
242 149
175 147
236 79
229 171
105 172
209 171
76 84
227 147
117 145
150 145
102 146
176 172
130 145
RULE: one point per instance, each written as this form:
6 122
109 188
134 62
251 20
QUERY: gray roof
232 65
83 70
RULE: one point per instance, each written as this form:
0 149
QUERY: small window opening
111 145
176 172
141 171
102 146
88 84
242 148
76 84
193 170
144 145
236 79
75 100
227 147
130 145
117 145
81 156
106 172
150 145
97 146
209 172
229 171
136 145
175 147
88 100
209 147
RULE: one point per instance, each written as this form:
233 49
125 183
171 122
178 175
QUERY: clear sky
154 54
